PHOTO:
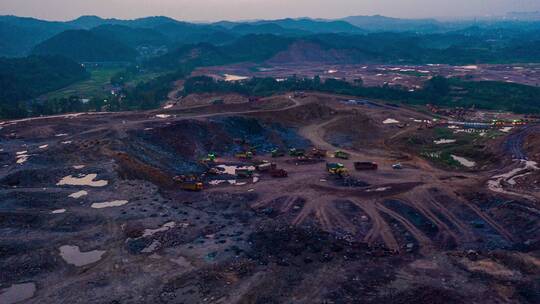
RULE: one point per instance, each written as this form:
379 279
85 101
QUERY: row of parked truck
334 168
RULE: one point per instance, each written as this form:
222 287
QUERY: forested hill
25 78
85 46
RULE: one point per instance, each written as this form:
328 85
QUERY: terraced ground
90 212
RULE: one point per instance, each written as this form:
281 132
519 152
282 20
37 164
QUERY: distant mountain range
20 36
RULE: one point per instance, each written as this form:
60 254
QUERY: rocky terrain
91 211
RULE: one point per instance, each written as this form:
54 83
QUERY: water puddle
231 169
163 115
43 146
444 141
82 180
72 255
463 161
165 227
17 293
506 129
237 183
380 189
231 77
390 121
61 135
117 203
21 159
217 182
79 194
58 211
78 167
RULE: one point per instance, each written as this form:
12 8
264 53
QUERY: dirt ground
90 211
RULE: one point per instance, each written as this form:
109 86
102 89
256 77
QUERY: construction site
293 198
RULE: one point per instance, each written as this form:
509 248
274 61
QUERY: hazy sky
208 10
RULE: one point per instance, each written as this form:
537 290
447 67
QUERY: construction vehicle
297 152
192 186
210 159
279 173
243 173
189 183
244 155
342 154
363 166
305 160
252 149
317 153
336 169
265 167
278 153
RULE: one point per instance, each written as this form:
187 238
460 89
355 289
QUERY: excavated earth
90 212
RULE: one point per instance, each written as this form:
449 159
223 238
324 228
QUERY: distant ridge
157 34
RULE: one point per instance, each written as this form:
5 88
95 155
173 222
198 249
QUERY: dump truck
297 152
189 182
342 154
317 153
191 186
363 166
243 173
278 153
336 168
265 167
244 155
279 173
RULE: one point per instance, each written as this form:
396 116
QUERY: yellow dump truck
244 155
192 186
336 169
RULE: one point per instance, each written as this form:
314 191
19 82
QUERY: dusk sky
210 10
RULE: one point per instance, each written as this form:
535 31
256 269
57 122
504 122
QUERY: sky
213 10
